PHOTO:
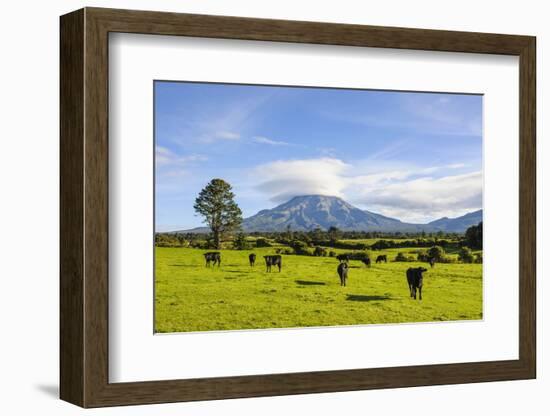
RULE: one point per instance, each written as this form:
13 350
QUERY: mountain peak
307 212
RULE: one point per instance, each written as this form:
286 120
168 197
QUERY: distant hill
304 213
459 224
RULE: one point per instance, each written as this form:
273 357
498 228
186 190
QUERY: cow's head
422 269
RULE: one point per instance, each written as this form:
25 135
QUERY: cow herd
413 274
214 257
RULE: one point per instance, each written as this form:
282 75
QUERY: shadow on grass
309 283
185 265
367 298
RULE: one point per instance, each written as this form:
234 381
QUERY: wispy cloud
226 135
170 164
222 122
271 142
429 114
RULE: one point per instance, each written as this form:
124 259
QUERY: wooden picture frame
84 207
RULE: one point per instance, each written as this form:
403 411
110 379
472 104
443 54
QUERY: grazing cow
381 258
432 262
366 260
212 257
342 258
252 259
273 261
414 279
343 273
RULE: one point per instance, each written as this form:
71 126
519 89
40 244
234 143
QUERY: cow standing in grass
381 258
366 261
212 257
343 273
273 261
252 259
415 280
432 262
342 258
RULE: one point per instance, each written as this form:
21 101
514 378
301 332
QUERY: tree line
216 204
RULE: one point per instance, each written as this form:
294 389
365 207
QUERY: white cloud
426 198
282 180
265 140
410 194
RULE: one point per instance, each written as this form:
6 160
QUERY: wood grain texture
527 207
84 207
71 158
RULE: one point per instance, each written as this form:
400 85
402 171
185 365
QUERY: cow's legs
420 292
279 267
414 293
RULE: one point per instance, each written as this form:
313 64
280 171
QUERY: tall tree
220 211
334 233
474 236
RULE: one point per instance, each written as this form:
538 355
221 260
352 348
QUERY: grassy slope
190 297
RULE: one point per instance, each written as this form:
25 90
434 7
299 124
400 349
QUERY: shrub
423 256
240 242
465 255
402 257
262 242
319 252
357 255
347 245
331 253
437 253
202 244
478 258
300 248
447 259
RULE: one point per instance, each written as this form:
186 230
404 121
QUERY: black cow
273 261
342 258
343 273
212 257
432 262
414 279
366 260
382 258
252 259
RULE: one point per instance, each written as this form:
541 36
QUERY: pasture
191 297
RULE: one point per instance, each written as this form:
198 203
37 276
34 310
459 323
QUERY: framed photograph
254 207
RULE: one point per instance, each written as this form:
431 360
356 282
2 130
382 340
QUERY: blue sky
412 156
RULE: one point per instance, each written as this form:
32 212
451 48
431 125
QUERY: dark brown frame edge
84 207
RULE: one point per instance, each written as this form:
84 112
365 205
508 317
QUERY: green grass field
191 297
